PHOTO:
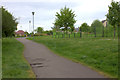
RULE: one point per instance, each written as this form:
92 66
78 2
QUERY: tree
113 15
84 27
72 29
48 32
26 33
55 28
39 30
97 28
65 19
9 23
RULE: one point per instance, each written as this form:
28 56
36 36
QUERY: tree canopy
113 16
9 23
39 30
66 18
84 27
97 27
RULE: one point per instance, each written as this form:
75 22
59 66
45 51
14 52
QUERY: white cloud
41 1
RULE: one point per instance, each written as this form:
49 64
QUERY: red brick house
19 33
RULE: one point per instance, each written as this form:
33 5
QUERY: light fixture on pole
33 24
29 25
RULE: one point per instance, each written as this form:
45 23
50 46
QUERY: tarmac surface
46 64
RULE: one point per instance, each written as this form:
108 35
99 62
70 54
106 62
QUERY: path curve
46 64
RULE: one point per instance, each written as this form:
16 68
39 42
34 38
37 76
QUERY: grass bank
100 54
14 64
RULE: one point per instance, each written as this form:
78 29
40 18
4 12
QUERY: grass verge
14 64
100 54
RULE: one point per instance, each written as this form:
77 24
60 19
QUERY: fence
105 32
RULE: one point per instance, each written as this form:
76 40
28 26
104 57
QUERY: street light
29 25
33 24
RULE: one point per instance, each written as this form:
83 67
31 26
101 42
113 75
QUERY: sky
45 10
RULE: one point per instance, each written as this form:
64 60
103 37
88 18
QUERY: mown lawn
14 64
100 54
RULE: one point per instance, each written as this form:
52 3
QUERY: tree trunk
118 31
66 30
74 35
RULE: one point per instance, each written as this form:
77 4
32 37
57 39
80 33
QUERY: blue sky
45 10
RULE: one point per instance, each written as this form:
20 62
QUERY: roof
103 21
77 29
20 32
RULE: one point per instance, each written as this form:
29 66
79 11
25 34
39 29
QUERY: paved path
46 64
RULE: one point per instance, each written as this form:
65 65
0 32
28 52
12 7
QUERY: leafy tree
9 24
48 32
113 15
72 29
84 27
39 30
65 18
26 33
109 30
55 28
97 28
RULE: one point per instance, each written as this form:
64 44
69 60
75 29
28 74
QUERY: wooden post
103 32
74 35
95 31
58 35
80 32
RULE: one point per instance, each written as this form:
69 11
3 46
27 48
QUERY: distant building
76 30
104 23
19 33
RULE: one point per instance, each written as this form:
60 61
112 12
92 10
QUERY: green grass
14 64
100 54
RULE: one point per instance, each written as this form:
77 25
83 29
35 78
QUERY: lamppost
33 24
29 25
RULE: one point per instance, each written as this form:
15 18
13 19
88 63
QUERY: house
19 33
76 30
104 23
